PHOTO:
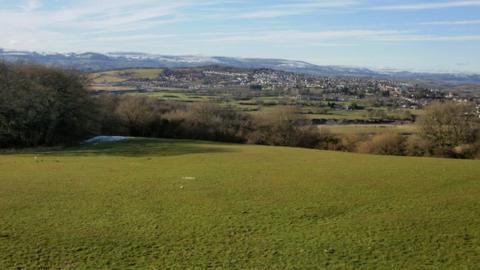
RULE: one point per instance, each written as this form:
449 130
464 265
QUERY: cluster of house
300 86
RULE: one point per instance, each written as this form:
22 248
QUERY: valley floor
166 204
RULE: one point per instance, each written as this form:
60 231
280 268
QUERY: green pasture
406 129
168 204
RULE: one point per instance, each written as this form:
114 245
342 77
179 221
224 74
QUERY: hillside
166 204
323 100
92 61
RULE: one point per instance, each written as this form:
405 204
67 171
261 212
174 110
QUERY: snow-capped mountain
91 61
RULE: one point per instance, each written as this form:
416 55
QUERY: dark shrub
43 106
209 121
417 146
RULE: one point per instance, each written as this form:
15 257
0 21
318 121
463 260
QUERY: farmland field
370 129
167 204
193 87
123 75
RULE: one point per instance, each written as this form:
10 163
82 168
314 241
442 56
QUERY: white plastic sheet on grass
102 139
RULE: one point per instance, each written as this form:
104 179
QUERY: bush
448 125
384 144
209 121
350 142
465 151
417 146
284 127
477 150
326 140
140 115
110 123
468 151
43 106
276 128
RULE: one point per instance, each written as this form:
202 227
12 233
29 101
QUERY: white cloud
427 37
90 14
292 36
126 24
31 5
465 22
430 5
299 38
297 8
32 27
289 38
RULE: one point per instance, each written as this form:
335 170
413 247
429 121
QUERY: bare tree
446 125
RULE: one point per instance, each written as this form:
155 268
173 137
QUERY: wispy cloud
429 38
297 8
29 23
290 38
31 5
31 26
429 5
301 37
90 14
464 22
308 29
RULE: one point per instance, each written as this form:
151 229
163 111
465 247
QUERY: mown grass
164 204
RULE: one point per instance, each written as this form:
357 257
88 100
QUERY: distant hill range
96 62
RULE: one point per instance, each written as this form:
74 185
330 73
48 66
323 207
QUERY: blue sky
423 35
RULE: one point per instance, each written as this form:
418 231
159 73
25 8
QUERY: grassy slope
123 207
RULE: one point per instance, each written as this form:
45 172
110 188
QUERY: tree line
41 106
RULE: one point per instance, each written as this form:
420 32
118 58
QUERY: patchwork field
192 87
166 204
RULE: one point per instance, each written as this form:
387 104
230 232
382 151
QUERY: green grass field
124 74
340 115
406 129
164 204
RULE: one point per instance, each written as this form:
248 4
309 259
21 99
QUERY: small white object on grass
181 187
188 178
101 139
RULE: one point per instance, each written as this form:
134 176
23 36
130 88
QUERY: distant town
336 92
